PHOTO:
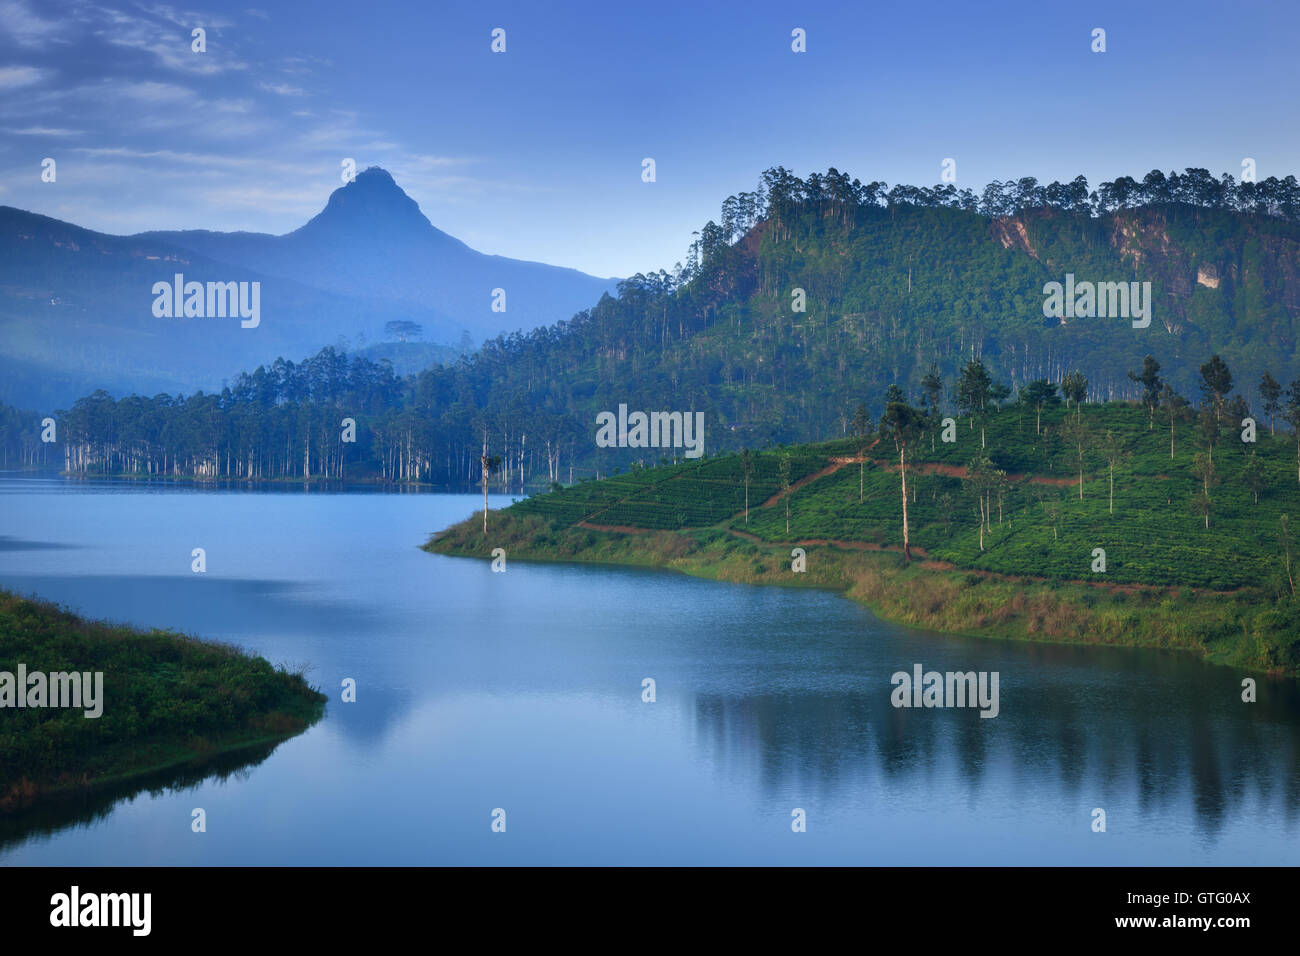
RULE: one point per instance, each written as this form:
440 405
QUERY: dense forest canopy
897 283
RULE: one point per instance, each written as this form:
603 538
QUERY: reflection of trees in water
1090 725
85 807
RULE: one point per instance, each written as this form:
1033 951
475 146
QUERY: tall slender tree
1175 406
1270 391
974 390
1075 388
488 465
785 487
932 399
1284 534
1216 383
747 470
1149 378
1040 393
900 424
1252 476
979 481
1079 436
1112 448
862 432
1293 418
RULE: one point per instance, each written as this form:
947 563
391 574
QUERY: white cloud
170 41
211 160
43 131
13 77
144 91
28 29
283 89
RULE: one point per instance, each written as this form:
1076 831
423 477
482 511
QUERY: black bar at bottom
297 904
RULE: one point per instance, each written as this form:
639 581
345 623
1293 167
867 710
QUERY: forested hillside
1112 523
895 284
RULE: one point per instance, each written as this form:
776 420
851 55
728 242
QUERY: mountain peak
372 203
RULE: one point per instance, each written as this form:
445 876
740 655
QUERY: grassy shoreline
1230 628
169 701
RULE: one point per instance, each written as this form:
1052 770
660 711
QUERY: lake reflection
523 691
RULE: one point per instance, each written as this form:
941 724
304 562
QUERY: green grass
168 699
1227 583
1151 538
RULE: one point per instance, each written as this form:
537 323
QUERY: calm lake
522 691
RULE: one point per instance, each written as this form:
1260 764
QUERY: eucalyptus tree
1284 536
488 465
1114 451
1080 438
974 389
747 471
1293 418
784 471
1175 407
901 423
1040 393
1075 388
1216 383
1149 378
980 480
1252 476
1270 391
932 399
861 432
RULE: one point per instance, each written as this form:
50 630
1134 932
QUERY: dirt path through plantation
830 469
621 528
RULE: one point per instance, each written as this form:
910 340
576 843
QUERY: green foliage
1228 589
903 286
1151 539
165 697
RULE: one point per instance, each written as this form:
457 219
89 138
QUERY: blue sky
536 153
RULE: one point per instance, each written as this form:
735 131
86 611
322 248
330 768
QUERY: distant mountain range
810 298
77 310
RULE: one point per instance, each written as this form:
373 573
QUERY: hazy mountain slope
76 306
76 313
372 240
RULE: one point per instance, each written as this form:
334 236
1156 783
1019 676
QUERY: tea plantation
1154 532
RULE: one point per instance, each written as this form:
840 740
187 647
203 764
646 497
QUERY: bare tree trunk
902 468
484 463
